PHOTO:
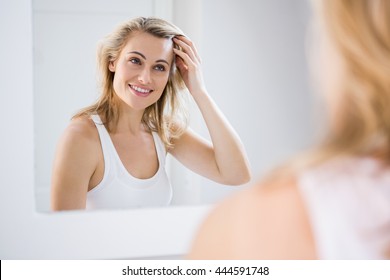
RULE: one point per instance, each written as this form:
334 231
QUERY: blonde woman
112 154
333 202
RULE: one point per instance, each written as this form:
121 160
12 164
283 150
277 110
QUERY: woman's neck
130 120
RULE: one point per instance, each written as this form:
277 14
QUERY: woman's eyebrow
144 57
163 60
140 54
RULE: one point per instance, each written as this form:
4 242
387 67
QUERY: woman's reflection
112 154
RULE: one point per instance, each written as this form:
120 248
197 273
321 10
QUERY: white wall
16 142
255 68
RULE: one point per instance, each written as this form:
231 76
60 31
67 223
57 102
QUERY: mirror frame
27 234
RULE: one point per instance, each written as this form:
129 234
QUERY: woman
333 202
112 155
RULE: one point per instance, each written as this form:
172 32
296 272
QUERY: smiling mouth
140 91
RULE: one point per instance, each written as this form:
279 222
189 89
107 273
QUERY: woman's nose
144 76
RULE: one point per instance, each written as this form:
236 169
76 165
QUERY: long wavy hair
360 32
168 116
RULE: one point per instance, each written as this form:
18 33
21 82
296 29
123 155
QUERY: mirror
256 46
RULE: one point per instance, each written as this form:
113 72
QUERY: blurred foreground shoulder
262 222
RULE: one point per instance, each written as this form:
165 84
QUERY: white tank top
348 203
119 189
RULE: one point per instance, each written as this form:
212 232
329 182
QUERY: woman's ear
111 66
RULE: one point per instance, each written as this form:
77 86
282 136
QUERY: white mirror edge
26 234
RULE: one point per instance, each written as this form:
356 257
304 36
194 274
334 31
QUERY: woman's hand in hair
189 64
223 160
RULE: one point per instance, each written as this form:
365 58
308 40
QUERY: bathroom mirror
256 46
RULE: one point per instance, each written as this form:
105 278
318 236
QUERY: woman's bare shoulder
80 137
81 129
261 222
83 126
76 160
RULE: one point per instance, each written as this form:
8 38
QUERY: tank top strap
160 148
104 140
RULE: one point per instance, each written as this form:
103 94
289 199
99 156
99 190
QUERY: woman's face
142 70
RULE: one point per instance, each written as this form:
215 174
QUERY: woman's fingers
191 44
189 65
187 48
180 63
186 59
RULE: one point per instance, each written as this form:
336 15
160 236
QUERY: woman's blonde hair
168 116
360 31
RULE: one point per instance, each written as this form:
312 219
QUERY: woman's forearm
230 155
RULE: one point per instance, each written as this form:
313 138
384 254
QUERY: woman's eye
135 61
159 68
